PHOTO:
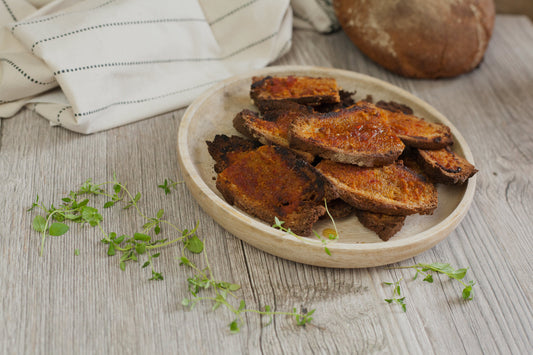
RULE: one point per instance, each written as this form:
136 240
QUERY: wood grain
62 304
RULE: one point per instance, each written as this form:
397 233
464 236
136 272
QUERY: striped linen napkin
96 64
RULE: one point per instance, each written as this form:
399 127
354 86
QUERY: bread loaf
419 38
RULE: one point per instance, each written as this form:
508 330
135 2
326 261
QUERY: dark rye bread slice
413 131
272 127
354 135
445 166
225 150
384 225
272 182
391 189
269 93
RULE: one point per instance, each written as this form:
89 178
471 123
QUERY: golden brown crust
392 189
384 225
445 166
355 135
272 182
272 128
270 93
414 131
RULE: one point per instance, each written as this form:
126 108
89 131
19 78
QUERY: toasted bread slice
354 135
269 93
337 208
391 189
225 150
414 131
272 128
445 166
272 182
384 225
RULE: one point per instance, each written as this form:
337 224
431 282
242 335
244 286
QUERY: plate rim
208 199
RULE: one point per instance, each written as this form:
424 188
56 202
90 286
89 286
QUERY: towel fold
93 65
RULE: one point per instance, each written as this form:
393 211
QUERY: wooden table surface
60 303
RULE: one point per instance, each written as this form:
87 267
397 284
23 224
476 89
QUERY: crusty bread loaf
270 93
413 131
355 135
445 166
272 182
391 189
419 38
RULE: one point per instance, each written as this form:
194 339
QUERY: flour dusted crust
420 38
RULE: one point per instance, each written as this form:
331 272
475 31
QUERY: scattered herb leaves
168 184
222 292
396 297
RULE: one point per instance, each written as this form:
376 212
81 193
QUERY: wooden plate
212 114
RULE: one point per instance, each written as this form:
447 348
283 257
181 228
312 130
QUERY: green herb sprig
396 297
75 208
169 184
223 292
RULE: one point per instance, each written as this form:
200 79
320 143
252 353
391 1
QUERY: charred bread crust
444 166
392 189
353 135
272 182
270 93
384 225
414 131
271 128
224 149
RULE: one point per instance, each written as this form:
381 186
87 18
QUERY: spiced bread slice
391 189
384 225
354 135
272 127
412 130
269 93
272 182
444 166
227 149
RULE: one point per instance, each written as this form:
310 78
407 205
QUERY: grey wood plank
62 303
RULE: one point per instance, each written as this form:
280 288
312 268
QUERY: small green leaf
156 255
428 278
146 264
142 237
467 293
58 229
76 252
160 213
234 287
242 306
157 229
140 248
185 302
326 249
388 300
156 276
194 244
137 197
39 223
109 204
234 327
185 261
111 249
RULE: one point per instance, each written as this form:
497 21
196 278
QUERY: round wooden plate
212 114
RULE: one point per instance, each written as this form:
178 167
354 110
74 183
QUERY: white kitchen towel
119 61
